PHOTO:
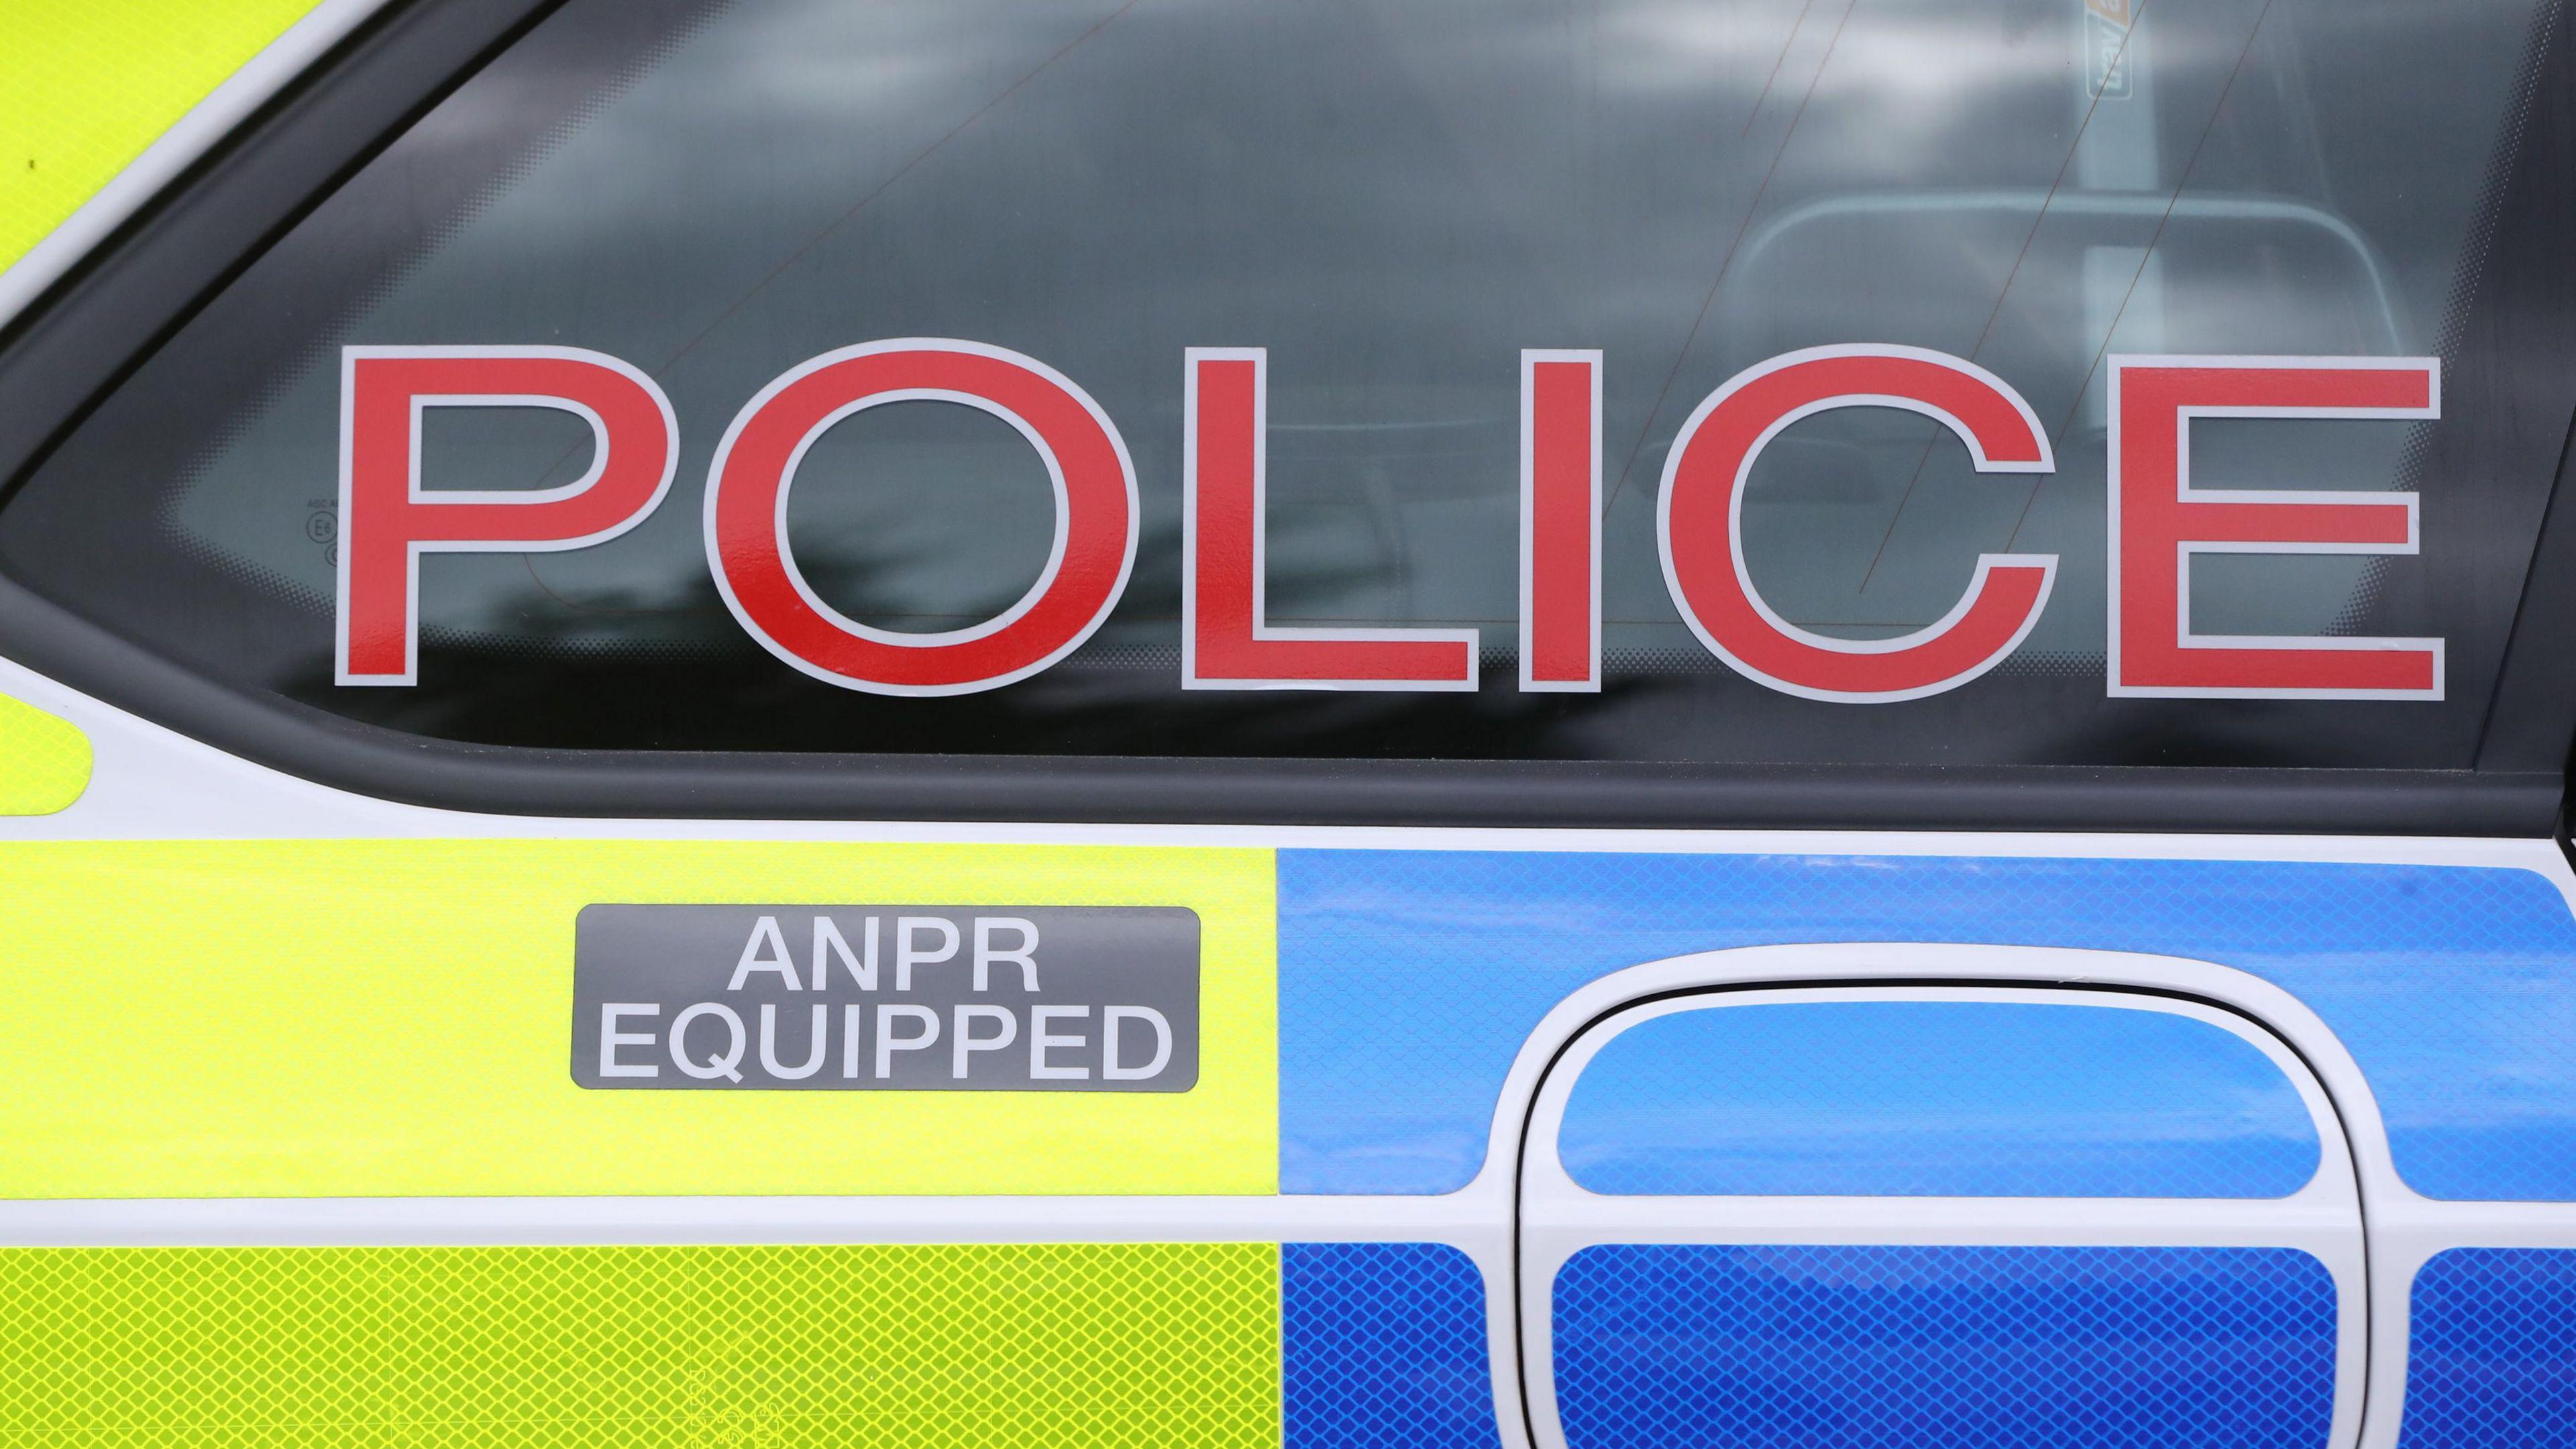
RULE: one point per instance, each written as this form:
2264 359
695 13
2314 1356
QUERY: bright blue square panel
1408 980
1936 1098
1715 1347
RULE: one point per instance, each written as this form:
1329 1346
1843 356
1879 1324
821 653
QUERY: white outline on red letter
352 527
1590 682
861 648
1262 632
1823 649
2407 504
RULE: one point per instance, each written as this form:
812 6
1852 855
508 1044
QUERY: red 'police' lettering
2159 521
1086 569
1699 523
387 519
1226 642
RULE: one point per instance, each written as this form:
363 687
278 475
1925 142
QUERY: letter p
387 519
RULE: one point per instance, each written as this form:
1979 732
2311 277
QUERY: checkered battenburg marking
2491 1360
1383 1347
1029 1346
1944 1348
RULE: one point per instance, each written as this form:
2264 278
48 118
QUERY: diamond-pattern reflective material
2491 1357
1935 1098
1030 1346
44 761
1408 980
1944 1348
85 88
1383 1346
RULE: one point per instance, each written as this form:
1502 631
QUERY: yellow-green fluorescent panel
394 1018
1019 1346
44 761
85 85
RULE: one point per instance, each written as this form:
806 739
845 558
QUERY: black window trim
81 338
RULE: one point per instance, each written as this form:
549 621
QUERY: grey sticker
904 998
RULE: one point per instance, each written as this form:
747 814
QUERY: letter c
1699 523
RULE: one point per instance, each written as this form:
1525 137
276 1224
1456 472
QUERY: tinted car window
1393 199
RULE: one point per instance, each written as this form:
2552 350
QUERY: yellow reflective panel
44 761
995 1346
393 1017
85 85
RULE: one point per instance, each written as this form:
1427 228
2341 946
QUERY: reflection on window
1393 197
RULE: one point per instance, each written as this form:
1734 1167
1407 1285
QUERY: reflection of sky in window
1970 1099
1397 197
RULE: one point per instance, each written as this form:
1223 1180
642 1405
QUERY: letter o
1096 515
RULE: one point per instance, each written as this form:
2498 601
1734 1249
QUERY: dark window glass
1394 197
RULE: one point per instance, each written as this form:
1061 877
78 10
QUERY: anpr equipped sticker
905 998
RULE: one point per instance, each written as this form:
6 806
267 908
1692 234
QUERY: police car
1323 724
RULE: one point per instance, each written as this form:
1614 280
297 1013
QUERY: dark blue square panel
2491 1356
1382 1346
1716 1347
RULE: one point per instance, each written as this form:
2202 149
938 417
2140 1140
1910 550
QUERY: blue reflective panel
1944 1348
1382 1346
1946 1098
1408 980
2492 1357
